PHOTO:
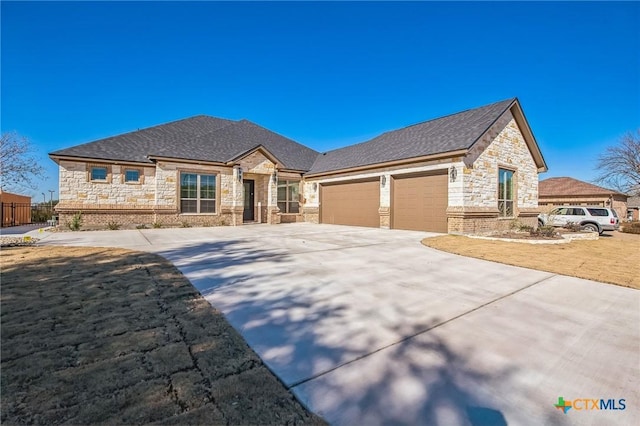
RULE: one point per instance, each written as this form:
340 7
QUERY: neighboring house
560 191
474 171
633 208
15 208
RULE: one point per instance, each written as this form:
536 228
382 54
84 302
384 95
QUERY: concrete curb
566 238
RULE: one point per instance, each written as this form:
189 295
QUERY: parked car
590 218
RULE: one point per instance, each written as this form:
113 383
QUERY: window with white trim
288 198
505 192
197 193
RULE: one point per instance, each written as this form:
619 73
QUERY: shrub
76 222
515 224
185 224
141 226
631 228
114 226
543 231
157 225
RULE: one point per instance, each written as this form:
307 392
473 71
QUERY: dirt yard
113 336
614 258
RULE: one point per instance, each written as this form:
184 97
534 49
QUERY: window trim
133 182
92 166
502 214
198 173
287 201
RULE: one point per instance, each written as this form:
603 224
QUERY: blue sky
324 74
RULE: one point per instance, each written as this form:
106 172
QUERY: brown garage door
420 203
351 204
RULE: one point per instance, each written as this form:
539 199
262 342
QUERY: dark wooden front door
249 198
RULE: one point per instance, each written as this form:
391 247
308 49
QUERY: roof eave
439 156
57 158
527 134
185 160
517 113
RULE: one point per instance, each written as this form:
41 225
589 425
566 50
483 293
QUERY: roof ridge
421 122
164 124
276 133
132 132
451 115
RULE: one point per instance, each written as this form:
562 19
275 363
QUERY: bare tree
619 165
18 165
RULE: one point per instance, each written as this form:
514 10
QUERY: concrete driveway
367 326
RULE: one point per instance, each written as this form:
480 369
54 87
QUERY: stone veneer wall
78 191
155 199
507 150
473 196
477 211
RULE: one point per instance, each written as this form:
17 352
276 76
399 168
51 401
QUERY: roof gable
566 186
259 149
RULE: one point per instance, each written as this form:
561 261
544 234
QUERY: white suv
590 218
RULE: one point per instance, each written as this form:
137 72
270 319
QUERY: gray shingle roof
213 139
450 133
135 146
229 142
197 138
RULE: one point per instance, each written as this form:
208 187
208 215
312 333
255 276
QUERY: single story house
633 208
474 171
559 191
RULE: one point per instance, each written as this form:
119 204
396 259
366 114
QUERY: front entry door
249 197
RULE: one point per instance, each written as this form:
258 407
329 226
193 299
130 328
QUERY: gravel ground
17 241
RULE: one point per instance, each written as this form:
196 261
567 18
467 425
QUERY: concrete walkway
367 326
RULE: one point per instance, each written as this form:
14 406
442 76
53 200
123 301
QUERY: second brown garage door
420 203
354 203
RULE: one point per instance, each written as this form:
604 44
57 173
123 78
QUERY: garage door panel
420 203
353 204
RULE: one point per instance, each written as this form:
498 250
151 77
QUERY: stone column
273 216
385 201
237 203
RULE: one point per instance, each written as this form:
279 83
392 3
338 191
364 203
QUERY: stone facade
476 210
155 199
473 195
77 190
